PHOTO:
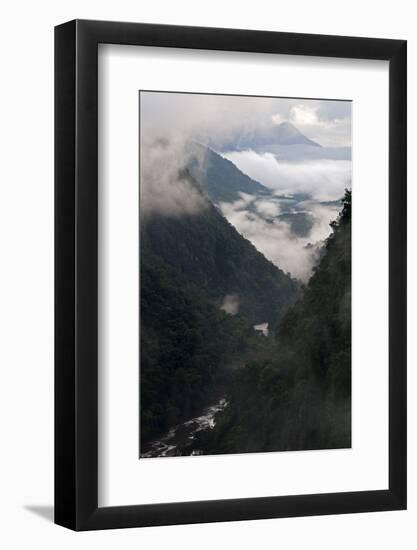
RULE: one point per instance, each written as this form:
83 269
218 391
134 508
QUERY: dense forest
190 345
299 396
288 391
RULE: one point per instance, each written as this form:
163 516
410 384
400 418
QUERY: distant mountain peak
287 128
288 125
286 133
266 138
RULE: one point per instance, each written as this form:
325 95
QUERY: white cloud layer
324 179
320 173
273 236
163 190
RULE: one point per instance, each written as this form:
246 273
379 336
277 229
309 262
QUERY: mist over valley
244 229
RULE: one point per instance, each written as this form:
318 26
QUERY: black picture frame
76 271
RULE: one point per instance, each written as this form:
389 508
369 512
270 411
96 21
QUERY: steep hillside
190 265
207 251
185 344
299 398
220 178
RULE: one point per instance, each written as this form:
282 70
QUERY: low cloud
323 179
308 175
164 186
230 304
274 237
267 208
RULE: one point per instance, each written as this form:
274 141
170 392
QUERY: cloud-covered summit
212 118
275 167
266 138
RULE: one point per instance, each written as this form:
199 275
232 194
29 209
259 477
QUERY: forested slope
299 397
188 265
219 177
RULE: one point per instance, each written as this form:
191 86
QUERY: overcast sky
322 173
201 116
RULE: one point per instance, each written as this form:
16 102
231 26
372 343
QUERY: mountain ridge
300 397
284 133
219 177
189 266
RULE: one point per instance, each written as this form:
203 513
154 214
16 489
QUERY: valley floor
182 440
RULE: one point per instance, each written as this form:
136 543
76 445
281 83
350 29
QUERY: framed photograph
230 248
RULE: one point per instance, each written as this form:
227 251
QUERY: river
183 435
